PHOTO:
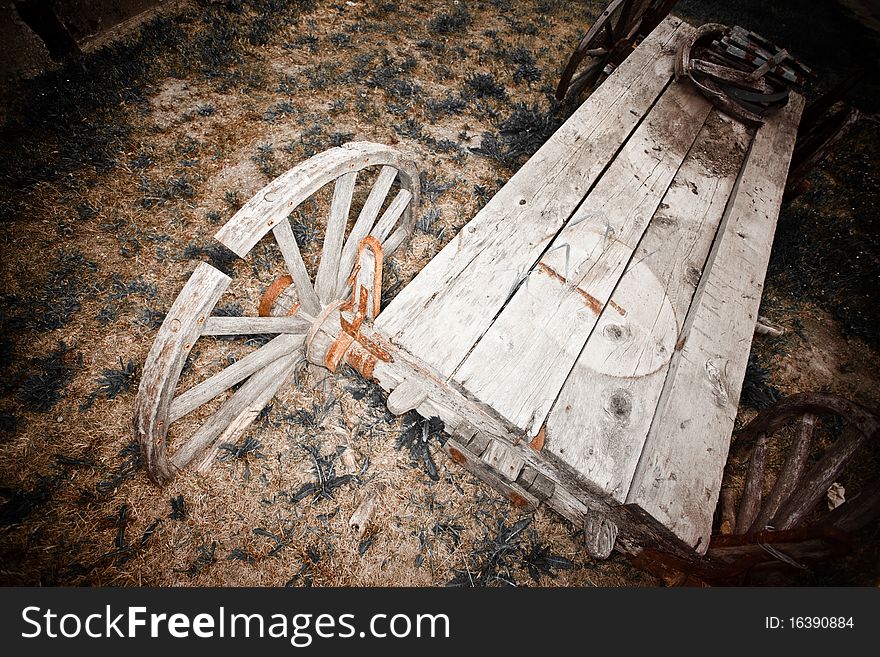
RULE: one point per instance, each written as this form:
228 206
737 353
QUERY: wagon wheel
610 39
288 308
764 536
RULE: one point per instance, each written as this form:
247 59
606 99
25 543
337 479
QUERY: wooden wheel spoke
365 221
390 217
791 472
325 280
205 391
236 414
255 325
293 260
289 306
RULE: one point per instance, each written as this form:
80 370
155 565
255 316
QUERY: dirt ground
118 170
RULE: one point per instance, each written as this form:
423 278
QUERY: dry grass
110 199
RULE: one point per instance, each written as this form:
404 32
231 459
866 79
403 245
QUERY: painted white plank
466 284
363 225
678 477
601 418
520 364
240 370
328 270
305 293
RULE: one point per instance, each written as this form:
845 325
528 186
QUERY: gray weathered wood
281 196
790 474
522 361
179 331
305 293
600 535
389 218
365 221
750 502
467 283
206 390
334 237
503 459
236 414
678 477
602 415
406 396
255 325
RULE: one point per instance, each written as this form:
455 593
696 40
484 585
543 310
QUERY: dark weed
178 508
520 135
250 448
757 392
113 382
131 454
215 254
280 542
9 423
21 503
434 188
41 387
506 551
238 554
279 110
265 159
427 220
416 436
449 105
326 479
525 71
458 21
483 85
340 138
149 318
172 188
69 282
205 558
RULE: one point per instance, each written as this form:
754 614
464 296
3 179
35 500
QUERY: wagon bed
591 326
583 339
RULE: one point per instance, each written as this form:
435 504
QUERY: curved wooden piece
181 328
584 47
278 199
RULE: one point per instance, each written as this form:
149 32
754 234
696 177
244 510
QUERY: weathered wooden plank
678 476
522 361
236 414
279 198
255 325
601 418
179 331
363 225
466 284
334 236
296 267
206 390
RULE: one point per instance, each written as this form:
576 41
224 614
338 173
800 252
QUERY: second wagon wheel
609 41
288 307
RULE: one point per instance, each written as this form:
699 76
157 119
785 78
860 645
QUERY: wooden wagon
584 338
